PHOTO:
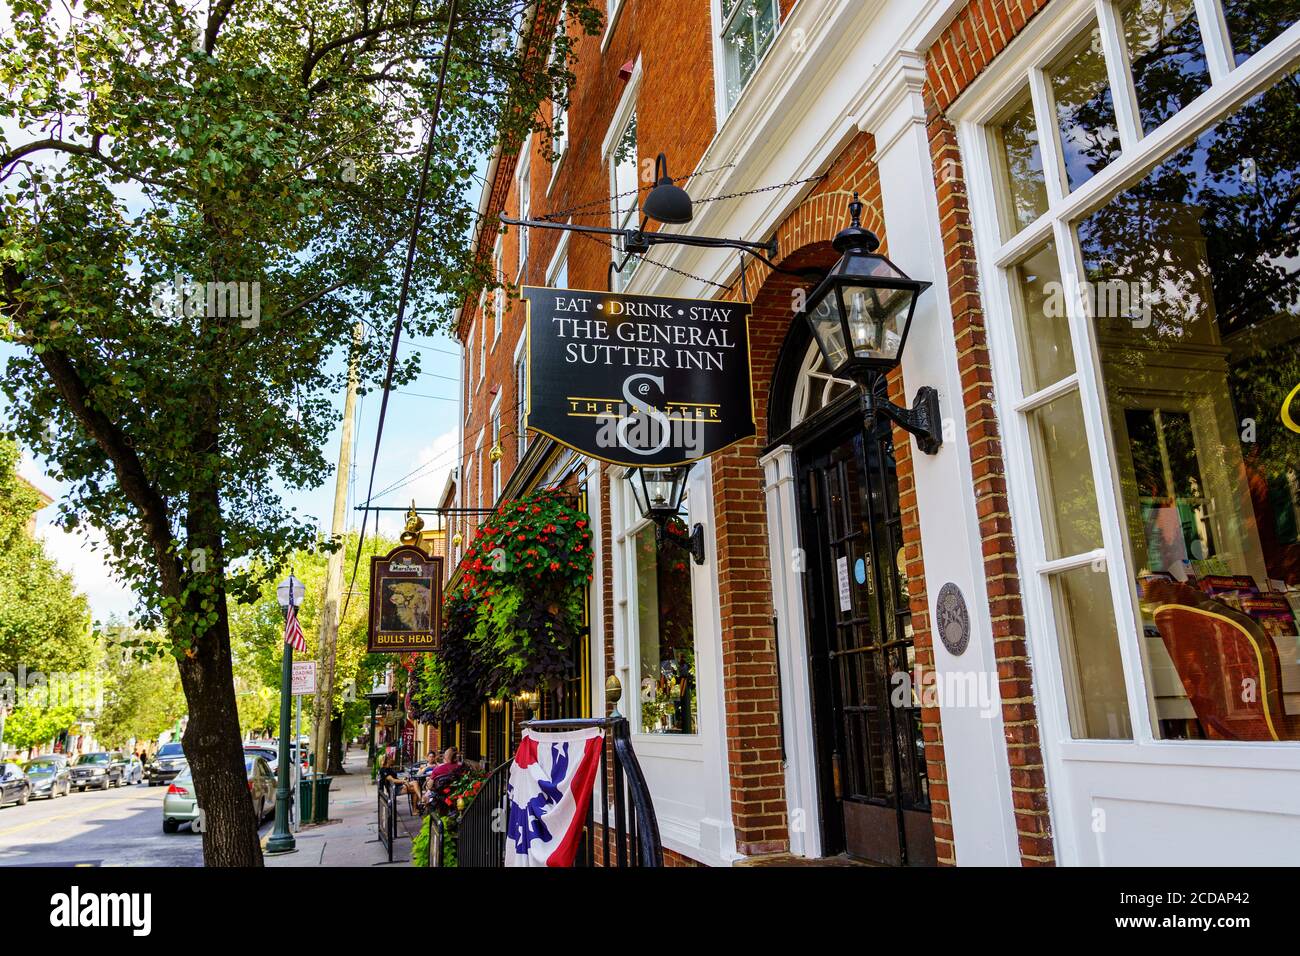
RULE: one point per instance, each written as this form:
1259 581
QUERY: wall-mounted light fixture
860 314
659 493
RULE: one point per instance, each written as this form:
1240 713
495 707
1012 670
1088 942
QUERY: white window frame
559 114
1039 44
478 472
469 362
499 293
613 8
559 259
521 395
687 773
524 187
494 418
721 108
622 116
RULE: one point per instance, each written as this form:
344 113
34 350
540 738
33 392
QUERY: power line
406 286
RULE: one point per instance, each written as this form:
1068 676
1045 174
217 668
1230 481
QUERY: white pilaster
974 748
788 566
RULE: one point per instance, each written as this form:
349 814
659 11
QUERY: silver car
50 776
181 802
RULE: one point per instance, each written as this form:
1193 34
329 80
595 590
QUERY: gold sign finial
414 525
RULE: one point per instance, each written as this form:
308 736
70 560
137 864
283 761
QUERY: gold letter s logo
1287 420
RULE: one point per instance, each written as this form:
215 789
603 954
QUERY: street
119 827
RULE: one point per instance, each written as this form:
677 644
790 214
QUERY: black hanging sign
405 601
638 379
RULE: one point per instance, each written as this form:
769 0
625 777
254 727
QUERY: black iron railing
628 833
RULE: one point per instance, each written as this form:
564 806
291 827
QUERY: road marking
63 816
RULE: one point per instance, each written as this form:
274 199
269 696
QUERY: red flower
555 565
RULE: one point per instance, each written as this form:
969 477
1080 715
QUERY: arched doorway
867 755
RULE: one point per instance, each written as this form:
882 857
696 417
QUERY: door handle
836 785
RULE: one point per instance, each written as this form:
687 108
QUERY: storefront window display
666 635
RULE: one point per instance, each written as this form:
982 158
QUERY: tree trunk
336 745
215 753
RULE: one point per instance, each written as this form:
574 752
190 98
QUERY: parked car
267 752
166 764
180 805
132 768
261 786
50 776
96 770
14 785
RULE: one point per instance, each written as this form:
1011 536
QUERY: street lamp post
289 593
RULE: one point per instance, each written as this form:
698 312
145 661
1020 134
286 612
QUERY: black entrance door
871 764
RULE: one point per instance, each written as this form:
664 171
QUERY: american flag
293 631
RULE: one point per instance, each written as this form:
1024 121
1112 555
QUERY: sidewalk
350 838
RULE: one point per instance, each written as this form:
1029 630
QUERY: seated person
430 771
450 768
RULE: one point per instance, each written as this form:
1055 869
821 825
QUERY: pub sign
405 601
638 379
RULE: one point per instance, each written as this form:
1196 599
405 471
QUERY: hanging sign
405 601
638 379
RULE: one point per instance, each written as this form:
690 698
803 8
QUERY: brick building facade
919 109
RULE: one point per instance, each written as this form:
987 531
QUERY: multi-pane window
663 614
496 442
525 209
469 365
499 293
559 115
624 203
748 27
521 405
1156 331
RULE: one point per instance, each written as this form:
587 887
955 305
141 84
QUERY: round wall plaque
952 618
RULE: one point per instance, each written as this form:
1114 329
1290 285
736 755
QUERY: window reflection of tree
1216 225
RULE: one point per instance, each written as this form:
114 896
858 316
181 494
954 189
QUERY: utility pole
328 634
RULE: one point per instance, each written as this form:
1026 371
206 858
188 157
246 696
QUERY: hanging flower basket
512 623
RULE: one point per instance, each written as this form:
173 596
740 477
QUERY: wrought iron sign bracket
922 419
638 241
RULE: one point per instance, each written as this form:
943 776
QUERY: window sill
555 172
611 22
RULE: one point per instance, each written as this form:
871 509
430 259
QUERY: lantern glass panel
657 489
877 320
825 318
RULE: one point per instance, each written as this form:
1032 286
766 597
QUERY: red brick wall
749 653
972 40
675 115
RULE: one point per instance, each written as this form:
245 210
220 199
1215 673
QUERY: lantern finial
854 238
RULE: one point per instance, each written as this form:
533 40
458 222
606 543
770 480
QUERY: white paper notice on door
846 599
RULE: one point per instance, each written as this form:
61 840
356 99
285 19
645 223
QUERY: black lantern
860 315
659 492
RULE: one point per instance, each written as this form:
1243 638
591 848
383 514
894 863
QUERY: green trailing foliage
512 622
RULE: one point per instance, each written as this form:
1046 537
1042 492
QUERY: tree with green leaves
196 211
142 694
44 622
35 724
257 632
